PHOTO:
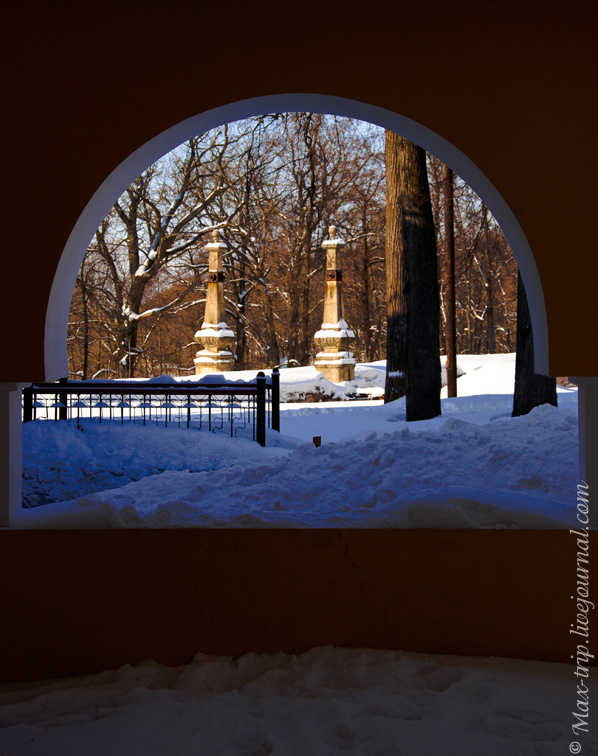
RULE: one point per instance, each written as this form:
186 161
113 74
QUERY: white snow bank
519 472
300 382
295 383
61 462
495 372
474 466
325 701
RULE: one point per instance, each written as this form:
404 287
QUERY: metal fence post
261 409
276 400
63 411
28 404
256 411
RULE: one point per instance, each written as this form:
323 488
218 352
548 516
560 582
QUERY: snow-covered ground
326 702
474 466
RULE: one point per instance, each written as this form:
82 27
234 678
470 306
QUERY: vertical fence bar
276 400
63 411
261 409
268 404
28 404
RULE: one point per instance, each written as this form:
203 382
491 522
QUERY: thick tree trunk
240 345
83 287
396 275
240 294
490 313
304 331
128 361
531 389
468 313
366 314
294 345
271 340
414 269
129 358
449 283
300 334
423 362
489 289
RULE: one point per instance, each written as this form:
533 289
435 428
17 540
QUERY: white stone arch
57 313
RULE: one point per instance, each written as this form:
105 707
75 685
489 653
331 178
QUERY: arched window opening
271 184
123 176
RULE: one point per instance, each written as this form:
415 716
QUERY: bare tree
273 185
397 275
154 230
449 281
531 389
485 269
412 281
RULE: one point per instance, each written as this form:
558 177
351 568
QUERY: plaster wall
511 86
84 601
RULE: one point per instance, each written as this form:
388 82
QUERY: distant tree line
272 184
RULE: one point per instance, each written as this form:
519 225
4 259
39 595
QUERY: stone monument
214 335
334 339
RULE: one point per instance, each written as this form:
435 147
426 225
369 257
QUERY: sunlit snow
474 466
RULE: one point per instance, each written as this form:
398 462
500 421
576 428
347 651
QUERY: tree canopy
272 184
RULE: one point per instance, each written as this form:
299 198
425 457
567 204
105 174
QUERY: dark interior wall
510 84
82 601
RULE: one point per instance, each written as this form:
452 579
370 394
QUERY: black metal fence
252 406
